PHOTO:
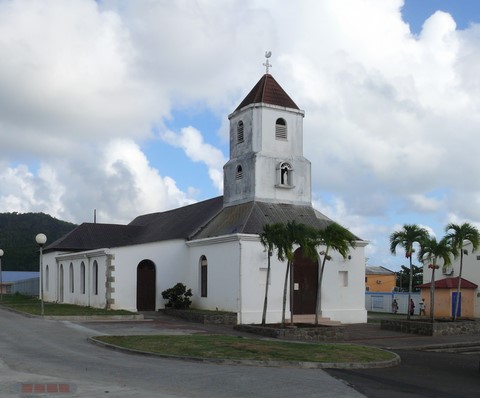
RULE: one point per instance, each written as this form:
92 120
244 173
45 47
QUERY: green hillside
17 238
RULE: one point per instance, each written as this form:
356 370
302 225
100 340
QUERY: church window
281 129
95 277
343 278
239 173
203 276
285 174
82 277
47 275
71 278
240 131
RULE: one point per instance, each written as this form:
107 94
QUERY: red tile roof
268 91
450 283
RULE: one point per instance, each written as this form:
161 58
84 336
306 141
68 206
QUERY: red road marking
49 388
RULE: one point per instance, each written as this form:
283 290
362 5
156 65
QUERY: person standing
411 307
422 308
395 306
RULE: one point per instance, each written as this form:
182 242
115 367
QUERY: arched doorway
61 285
305 281
146 286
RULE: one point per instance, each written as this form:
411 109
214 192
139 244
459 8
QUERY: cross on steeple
267 64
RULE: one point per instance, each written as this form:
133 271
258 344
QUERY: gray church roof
268 91
172 224
250 217
197 221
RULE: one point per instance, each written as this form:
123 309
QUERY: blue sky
465 12
122 106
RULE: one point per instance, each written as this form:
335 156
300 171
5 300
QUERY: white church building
213 246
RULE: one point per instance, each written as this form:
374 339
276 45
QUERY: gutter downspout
239 314
89 280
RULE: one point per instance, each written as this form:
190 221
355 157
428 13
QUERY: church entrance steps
310 318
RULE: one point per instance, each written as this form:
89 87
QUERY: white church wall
253 281
72 288
223 257
343 287
49 289
265 121
171 262
267 184
236 288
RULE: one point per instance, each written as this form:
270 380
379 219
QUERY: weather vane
267 64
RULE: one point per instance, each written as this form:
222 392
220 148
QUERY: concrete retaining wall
220 318
321 333
426 328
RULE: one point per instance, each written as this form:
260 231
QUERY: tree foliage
407 237
432 251
178 297
17 238
333 237
458 235
403 277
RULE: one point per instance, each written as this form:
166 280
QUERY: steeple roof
268 91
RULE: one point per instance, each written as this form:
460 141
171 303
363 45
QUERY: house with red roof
446 284
213 246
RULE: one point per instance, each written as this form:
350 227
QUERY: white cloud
391 117
423 203
191 141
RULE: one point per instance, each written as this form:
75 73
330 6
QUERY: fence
382 302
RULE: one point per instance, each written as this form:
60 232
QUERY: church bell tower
266 149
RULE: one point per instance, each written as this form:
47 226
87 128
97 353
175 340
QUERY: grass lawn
32 305
232 347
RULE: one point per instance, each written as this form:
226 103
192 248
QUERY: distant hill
17 238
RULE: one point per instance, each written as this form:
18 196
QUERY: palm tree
280 237
458 234
270 238
406 238
333 237
431 251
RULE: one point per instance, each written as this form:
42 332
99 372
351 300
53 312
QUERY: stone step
310 318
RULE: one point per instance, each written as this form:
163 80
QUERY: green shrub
178 296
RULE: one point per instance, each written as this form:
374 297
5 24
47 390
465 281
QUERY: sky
121 107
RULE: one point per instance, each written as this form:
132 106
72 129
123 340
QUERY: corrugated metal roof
377 270
268 91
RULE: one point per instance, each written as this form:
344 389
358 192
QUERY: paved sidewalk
364 333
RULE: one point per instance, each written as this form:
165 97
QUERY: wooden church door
146 286
305 281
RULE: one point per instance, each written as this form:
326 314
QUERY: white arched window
281 129
203 276
47 276
285 174
82 278
72 279
239 173
240 131
95 277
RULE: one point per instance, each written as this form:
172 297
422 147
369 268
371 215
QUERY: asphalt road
421 374
36 351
